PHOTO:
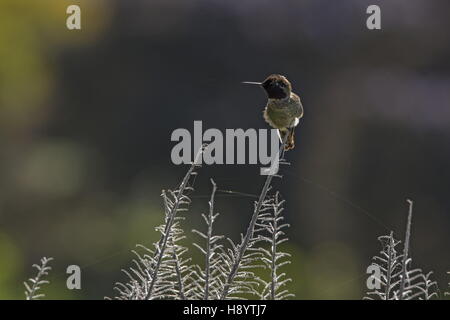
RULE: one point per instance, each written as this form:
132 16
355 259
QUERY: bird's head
276 86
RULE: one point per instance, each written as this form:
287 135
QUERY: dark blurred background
86 118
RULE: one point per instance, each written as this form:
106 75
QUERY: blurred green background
86 118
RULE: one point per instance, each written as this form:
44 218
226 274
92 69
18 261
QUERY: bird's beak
252 82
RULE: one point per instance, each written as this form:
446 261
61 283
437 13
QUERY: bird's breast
278 116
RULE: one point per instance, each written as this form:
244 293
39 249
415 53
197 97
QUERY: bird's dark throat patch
274 90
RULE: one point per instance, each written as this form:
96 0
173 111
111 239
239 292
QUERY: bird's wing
299 110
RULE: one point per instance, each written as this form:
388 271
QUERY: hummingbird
283 109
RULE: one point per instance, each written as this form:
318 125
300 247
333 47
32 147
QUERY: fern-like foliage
389 262
397 280
262 251
229 268
241 258
163 272
33 285
210 277
429 288
448 292
271 228
238 269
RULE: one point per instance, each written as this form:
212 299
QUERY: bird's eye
281 84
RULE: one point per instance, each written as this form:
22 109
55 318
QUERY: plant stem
208 241
274 249
405 249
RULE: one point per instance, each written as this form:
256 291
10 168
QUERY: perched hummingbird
284 108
